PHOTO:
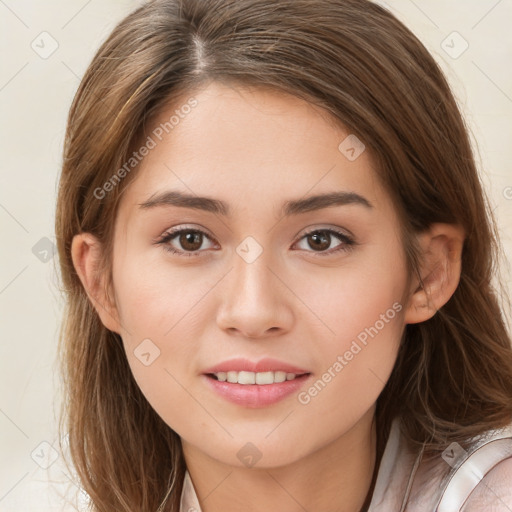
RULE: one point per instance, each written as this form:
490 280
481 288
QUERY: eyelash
347 244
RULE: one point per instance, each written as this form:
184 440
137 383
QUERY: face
250 234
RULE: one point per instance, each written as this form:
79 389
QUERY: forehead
248 146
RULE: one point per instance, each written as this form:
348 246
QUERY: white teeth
254 378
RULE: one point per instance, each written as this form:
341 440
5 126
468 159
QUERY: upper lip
263 365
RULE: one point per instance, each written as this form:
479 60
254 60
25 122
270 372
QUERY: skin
254 149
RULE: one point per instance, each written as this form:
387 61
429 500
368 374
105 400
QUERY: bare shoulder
494 492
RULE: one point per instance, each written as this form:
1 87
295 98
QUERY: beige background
35 93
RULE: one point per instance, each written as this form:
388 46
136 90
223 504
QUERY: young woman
278 258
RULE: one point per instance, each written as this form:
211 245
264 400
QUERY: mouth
259 378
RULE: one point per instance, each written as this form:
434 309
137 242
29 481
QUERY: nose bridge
253 301
252 279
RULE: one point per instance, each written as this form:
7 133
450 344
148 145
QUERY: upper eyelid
339 231
172 232
309 230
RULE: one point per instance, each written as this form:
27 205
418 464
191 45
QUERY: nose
255 301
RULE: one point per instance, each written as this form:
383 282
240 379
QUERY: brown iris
321 240
191 240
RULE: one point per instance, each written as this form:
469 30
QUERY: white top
455 481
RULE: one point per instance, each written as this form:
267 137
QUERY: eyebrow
291 207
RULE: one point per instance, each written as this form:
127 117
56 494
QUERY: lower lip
256 395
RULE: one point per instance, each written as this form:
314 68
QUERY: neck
338 477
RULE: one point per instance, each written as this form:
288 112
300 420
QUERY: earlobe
86 252
442 246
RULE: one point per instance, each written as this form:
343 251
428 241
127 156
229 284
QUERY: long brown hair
453 376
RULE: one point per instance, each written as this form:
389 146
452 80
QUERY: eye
320 240
190 240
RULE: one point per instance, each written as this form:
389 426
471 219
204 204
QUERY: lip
263 365
255 395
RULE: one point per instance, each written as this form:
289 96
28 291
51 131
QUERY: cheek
358 297
159 307
354 361
361 315
153 296
157 343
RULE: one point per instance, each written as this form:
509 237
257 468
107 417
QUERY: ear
440 271
86 252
